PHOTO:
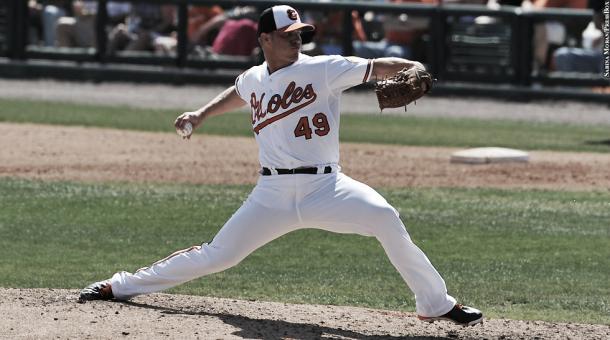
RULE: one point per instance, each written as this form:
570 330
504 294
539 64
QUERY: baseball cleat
101 290
459 314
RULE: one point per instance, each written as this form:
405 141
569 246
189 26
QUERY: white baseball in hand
187 129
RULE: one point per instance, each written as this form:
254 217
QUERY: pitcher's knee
385 215
222 258
386 223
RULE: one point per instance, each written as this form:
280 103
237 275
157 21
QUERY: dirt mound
55 314
93 154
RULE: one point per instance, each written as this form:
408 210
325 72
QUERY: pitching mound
55 314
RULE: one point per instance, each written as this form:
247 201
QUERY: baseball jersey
295 110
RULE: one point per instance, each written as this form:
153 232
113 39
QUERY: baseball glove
405 87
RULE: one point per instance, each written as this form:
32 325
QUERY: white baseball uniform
295 119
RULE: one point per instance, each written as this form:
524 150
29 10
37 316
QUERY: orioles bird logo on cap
292 14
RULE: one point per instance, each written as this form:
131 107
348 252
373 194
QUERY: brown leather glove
403 88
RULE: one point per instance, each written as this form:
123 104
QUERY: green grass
374 128
515 254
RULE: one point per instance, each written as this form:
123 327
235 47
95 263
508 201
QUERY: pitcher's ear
266 37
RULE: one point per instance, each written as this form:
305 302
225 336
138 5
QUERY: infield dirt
56 314
94 154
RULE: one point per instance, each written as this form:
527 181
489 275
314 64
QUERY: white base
489 155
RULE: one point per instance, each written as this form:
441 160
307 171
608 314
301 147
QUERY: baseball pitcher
294 101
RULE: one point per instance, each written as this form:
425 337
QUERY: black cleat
101 290
460 314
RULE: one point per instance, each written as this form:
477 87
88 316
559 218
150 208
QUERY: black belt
311 171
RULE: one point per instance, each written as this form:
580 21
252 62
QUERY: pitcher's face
282 46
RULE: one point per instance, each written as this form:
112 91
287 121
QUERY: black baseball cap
283 18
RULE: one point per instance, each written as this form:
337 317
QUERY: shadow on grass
277 329
598 142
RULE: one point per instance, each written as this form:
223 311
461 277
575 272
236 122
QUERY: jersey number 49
319 121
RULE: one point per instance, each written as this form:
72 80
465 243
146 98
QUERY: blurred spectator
589 58
393 44
560 3
401 34
328 37
329 32
374 34
200 24
236 37
46 14
35 21
145 29
550 35
117 12
52 11
202 28
43 16
236 33
79 29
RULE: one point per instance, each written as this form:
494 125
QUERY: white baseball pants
280 204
